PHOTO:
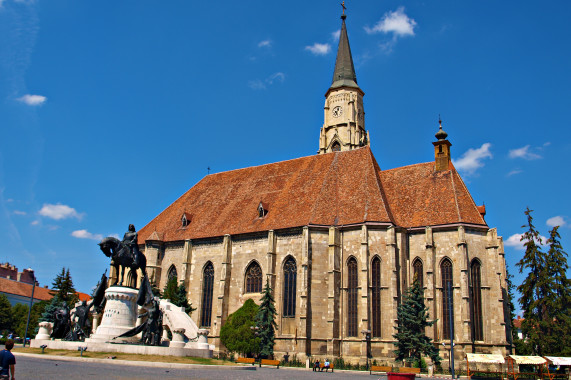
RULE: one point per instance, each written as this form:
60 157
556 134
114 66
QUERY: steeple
344 73
344 116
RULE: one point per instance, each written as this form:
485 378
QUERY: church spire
344 73
344 117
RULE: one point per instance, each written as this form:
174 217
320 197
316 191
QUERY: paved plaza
52 367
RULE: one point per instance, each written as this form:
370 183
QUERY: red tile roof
330 189
24 289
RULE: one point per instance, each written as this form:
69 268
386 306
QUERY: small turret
441 150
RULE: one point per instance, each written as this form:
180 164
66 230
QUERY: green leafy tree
37 310
5 314
63 287
20 317
265 321
413 316
237 334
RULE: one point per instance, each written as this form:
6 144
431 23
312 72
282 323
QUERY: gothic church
340 241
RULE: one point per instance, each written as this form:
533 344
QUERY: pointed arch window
352 283
418 271
446 271
254 278
290 279
207 286
172 272
476 289
132 278
336 147
376 296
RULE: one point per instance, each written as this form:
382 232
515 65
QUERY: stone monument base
120 315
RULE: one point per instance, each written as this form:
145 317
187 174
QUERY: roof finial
343 16
440 135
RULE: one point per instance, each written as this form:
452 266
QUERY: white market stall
487 360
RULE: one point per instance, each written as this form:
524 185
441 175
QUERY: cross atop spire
344 8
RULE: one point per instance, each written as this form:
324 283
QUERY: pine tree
50 309
265 321
558 299
177 295
63 287
413 316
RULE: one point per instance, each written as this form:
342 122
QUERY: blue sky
110 110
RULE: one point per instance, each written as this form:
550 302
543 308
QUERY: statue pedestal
45 330
120 314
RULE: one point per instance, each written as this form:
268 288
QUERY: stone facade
321 254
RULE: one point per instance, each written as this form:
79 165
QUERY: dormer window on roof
262 210
185 219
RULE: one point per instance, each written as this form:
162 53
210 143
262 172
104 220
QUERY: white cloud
524 153
335 35
32 100
84 234
265 43
259 84
472 159
515 241
18 212
319 49
396 22
556 221
35 223
514 172
59 211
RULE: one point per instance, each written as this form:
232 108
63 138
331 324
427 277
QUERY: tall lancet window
290 278
171 272
254 278
446 271
376 296
476 288
418 271
207 286
352 283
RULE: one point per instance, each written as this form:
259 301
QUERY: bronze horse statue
121 256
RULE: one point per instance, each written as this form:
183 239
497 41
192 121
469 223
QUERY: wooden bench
322 366
409 370
379 368
270 362
246 360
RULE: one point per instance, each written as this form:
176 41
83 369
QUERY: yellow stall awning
485 358
558 360
520 359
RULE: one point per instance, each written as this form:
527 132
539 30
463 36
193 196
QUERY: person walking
7 361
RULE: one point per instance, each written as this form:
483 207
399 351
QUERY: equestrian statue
124 254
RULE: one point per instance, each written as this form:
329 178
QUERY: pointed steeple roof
344 73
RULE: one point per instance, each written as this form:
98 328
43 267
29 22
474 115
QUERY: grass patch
122 356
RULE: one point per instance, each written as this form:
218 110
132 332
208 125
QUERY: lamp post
30 308
367 334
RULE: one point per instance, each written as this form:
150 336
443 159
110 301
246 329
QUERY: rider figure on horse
130 240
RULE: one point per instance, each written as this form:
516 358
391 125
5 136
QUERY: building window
171 272
376 296
290 277
476 289
185 220
254 278
446 270
262 210
207 285
352 284
418 271
336 147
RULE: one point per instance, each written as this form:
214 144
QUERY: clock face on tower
337 111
